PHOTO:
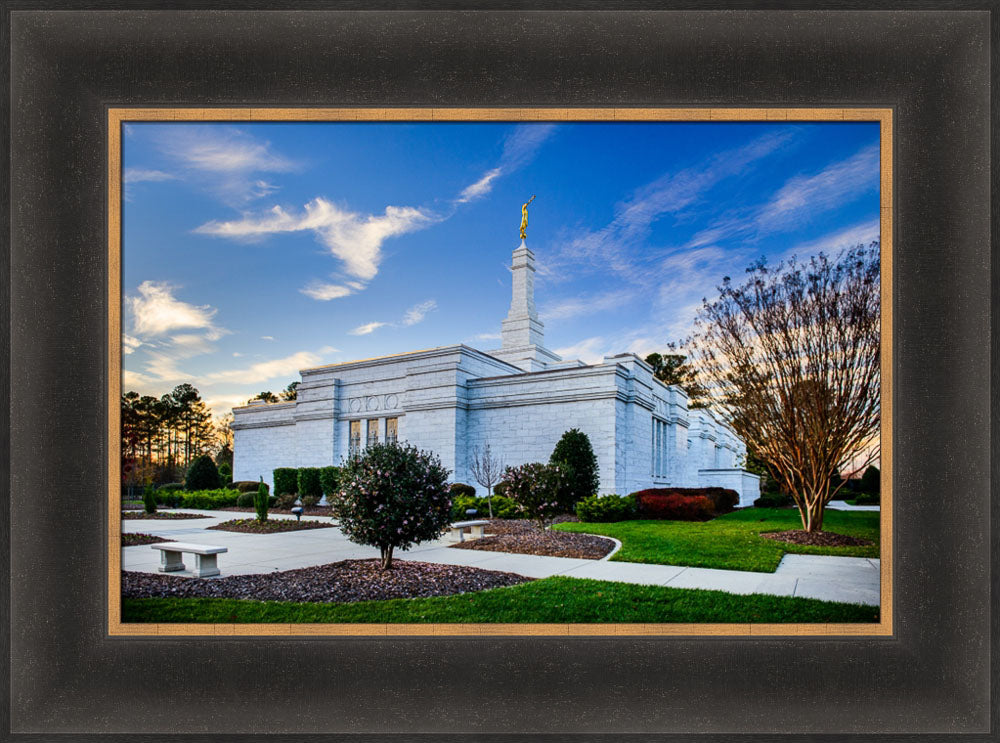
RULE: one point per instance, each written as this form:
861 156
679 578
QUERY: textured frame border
117 117
930 679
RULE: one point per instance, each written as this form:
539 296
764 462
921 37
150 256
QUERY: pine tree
575 454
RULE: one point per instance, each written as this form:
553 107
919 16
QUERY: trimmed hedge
503 507
773 500
329 480
723 500
171 486
286 501
675 507
309 483
286 480
460 489
201 499
606 508
247 486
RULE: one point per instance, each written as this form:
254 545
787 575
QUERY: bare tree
487 469
791 358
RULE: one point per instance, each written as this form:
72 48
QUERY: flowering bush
534 488
393 496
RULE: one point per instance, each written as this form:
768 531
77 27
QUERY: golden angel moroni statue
524 217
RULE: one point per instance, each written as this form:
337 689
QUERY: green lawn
556 600
730 541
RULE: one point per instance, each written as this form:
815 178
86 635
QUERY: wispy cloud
519 148
613 247
590 350
412 316
325 292
353 238
266 371
836 184
586 305
227 161
859 234
367 328
139 175
418 312
800 199
480 188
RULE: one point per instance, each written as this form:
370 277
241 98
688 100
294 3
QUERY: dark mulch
135 538
271 526
311 511
159 515
816 538
525 538
342 582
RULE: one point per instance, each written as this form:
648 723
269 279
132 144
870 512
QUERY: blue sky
253 250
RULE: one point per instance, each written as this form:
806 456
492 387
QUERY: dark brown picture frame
69 65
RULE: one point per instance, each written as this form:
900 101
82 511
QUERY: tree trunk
811 512
386 557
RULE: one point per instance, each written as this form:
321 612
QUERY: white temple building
519 399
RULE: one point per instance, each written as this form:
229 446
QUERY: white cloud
356 239
418 312
367 328
265 371
519 148
487 337
590 350
267 337
156 311
325 292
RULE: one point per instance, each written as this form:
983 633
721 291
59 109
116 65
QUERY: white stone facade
519 399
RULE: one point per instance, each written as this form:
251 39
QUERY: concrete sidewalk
844 579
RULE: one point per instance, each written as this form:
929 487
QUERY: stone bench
478 529
205 557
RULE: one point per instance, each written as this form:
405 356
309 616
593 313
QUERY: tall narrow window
354 440
391 430
372 432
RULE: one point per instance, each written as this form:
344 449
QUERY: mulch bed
159 515
271 526
525 538
341 582
135 538
311 511
816 538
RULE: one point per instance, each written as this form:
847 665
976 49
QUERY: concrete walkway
839 505
844 579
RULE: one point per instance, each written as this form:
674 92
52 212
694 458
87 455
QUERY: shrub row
722 500
503 507
203 499
773 500
606 508
306 481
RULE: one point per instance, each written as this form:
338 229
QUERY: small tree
149 499
260 501
575 455
534 488
487 469
202 474
393 496
225 474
